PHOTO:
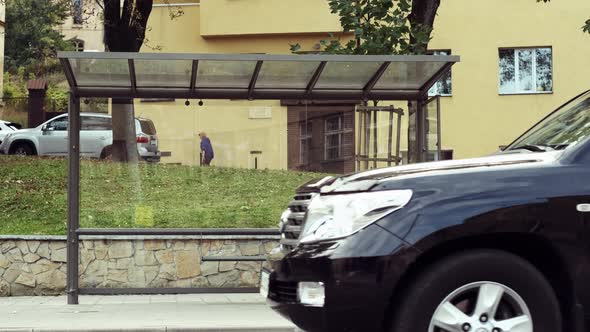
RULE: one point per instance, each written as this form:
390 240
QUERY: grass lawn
33 197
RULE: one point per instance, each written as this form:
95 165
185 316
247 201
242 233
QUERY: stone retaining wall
37 265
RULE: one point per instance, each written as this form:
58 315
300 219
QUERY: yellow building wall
475 120
227 123
233 132
231 17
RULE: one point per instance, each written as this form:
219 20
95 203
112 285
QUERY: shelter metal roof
252 76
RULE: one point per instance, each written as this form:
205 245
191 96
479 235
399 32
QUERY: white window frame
304 136
78 45
517 50
340 132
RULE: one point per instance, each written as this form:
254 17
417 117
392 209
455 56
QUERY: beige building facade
85 28
515 68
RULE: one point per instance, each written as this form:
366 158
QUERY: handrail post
73 197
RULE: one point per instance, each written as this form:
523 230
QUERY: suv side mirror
44 128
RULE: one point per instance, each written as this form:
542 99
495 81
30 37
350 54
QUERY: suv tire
450 291
22 149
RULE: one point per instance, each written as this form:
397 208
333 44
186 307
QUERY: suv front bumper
359 281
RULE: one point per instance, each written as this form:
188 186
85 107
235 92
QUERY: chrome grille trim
292 220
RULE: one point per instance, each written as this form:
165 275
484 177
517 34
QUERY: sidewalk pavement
145 313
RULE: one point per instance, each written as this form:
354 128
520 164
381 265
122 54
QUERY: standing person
206 149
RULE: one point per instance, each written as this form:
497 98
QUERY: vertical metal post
375 147
359 115
420 131
367 138
438 129
389 138
73 197
398 141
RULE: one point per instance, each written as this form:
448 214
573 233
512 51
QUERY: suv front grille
283 291
293 219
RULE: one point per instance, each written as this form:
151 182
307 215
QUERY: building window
444 86
78 11
525 70
305 131
334 137
78 45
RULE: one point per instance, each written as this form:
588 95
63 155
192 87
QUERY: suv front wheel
479 291
22 149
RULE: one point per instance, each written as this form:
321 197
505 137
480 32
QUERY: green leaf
294 47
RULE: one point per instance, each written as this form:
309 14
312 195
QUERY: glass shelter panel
222 73
432 129
408 75
163 73
283 74
101 72
347 75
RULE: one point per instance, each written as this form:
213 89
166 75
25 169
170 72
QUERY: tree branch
99 4
126 14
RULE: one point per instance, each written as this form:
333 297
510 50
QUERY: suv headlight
338 216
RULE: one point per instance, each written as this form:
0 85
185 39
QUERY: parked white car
6 128
96 138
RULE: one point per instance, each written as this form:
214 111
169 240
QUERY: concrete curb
139 237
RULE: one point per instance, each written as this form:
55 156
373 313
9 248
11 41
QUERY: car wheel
478 291
22 150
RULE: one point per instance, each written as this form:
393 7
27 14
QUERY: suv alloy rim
20 151
482 307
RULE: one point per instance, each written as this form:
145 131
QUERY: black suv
494 244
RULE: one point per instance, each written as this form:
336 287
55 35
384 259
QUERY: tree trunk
124 135
125 28
422 16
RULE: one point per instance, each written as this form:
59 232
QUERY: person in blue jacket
206 149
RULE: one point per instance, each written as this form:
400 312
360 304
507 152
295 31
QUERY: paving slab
145 313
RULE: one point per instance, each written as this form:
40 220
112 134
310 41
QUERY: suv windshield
565 127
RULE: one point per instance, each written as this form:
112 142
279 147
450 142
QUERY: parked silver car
96 138
7 128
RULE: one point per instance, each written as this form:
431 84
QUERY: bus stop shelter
237 76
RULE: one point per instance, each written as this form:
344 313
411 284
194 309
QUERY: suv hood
364 181
23 130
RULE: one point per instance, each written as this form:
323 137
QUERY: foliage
15 85
378 26
585 27
32 39
58 97
34 199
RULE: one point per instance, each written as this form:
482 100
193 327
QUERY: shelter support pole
375 146
367 138
398 141
438 130
359 149
389 138
421 131
73 197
